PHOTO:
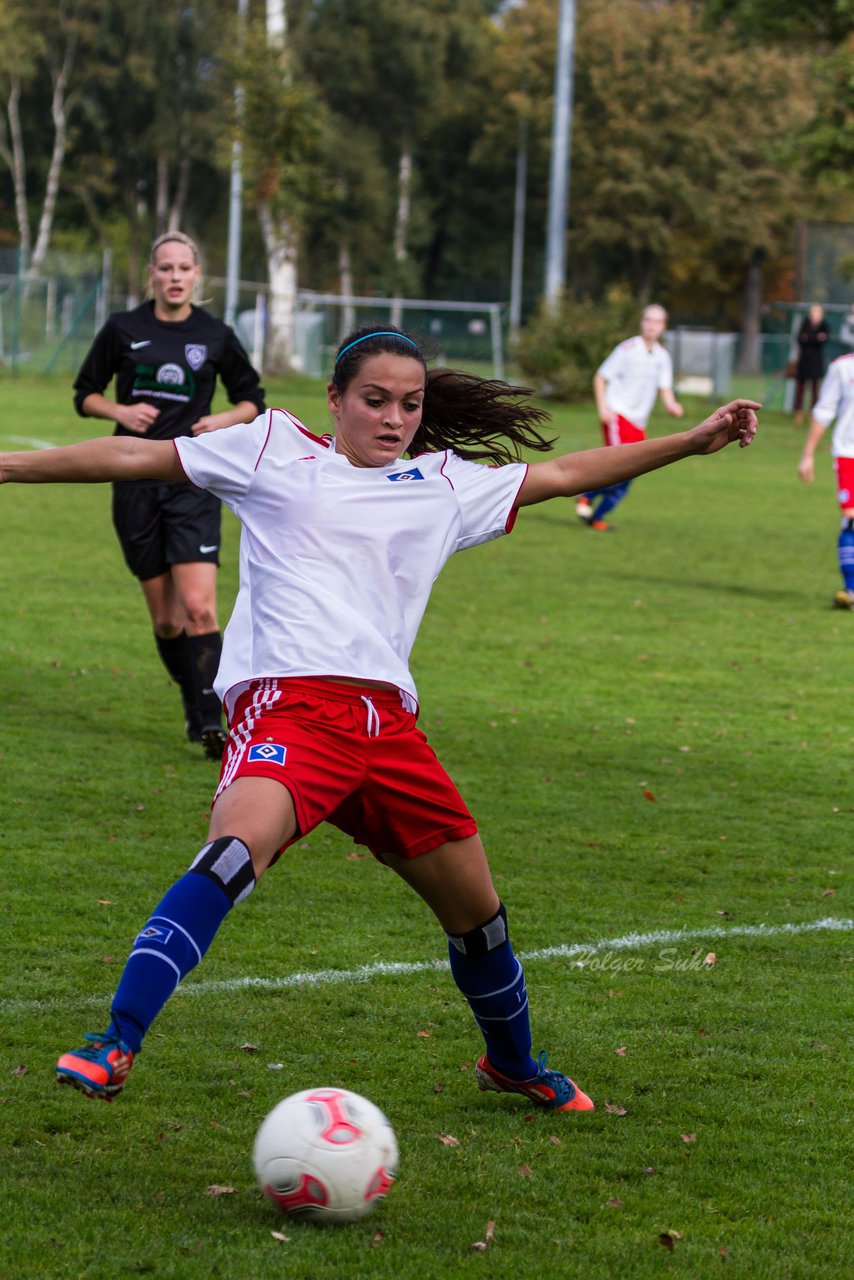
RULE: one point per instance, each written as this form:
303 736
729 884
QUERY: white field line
31 441
384 968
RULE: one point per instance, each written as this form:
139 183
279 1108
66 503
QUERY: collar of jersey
389 466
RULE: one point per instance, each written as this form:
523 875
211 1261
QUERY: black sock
205 652
176 656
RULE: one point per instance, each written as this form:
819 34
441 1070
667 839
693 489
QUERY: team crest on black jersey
171 375
414 474
197 354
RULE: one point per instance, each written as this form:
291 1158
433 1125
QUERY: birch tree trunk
282 274
18 167
401 225
59 111
345 272
279 244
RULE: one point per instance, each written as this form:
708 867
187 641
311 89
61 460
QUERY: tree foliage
386 138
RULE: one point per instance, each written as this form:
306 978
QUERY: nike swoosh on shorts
206 550
134 346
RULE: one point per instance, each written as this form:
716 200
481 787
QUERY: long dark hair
481 419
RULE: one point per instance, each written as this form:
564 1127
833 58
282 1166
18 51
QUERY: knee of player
228 862
201 615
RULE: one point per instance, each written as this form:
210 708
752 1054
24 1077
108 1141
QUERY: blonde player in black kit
165 356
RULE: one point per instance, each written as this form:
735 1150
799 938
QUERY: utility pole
561 141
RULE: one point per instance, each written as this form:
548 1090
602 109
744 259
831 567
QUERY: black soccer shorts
159 525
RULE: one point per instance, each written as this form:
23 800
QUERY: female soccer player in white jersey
837 402
342 538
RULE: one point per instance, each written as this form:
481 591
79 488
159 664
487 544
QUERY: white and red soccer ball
328 1155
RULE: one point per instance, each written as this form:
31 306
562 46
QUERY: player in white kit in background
342 538
837 402
625 386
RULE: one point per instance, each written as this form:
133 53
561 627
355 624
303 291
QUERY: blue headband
384 333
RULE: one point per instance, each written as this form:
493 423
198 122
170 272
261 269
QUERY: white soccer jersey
635 375
837 401
336 561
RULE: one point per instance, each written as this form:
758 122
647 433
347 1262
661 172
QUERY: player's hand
806 469
734 421
210 422
676 410
138 417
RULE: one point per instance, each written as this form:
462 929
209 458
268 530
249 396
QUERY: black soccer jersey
171 365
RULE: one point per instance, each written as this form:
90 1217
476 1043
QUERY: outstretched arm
806 466
106 458
598 468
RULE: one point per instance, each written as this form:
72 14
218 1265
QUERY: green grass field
654 730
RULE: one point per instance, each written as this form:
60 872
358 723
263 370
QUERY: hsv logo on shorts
269 752
414 474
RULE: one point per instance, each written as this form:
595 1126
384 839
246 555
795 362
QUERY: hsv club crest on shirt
413 474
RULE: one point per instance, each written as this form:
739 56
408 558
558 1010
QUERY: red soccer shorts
350 755
619 430
845 482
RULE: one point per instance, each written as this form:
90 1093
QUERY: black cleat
213 739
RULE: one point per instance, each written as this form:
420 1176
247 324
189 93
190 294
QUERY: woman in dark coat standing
812 337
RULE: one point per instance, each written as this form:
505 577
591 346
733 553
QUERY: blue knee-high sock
846 553
494 984
179 932
611 497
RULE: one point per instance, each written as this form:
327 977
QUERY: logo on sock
155 933
269 752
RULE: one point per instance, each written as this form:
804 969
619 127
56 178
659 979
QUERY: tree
283 130
395 89
40 59
685 168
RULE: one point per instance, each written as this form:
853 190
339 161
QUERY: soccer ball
328 1155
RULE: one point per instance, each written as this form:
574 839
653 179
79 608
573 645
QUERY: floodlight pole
235 196
561 139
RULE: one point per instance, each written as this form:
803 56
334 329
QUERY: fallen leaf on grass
248 1048
376 1239
277 1235
710 959
614 1203
216 1190
615 1110
647 795
621 1052
105 902
525 1170
689 1137
20 1070
423 1035
448 1140
828 893
669 1238
480 1245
